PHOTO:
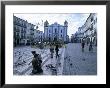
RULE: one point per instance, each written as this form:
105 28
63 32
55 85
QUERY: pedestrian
36 63
87 42
83 44
57 49
90 46
51 50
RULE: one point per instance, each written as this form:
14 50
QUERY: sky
75 20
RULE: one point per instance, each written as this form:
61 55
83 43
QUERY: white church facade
55 31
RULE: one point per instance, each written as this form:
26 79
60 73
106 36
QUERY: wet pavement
77 62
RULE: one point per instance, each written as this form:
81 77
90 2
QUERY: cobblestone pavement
77 62
23 57
72 60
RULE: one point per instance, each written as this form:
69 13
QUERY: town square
55 44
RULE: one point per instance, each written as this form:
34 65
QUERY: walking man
90 46
57 49
83 44
51 50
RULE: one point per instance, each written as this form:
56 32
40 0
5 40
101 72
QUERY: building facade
55 32
25 33
19 31
38 36
74 38
29 34
88 31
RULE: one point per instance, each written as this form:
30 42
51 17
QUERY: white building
19 27
23 31
55 31
88 31
29 33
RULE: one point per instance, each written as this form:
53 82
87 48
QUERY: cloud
74 20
